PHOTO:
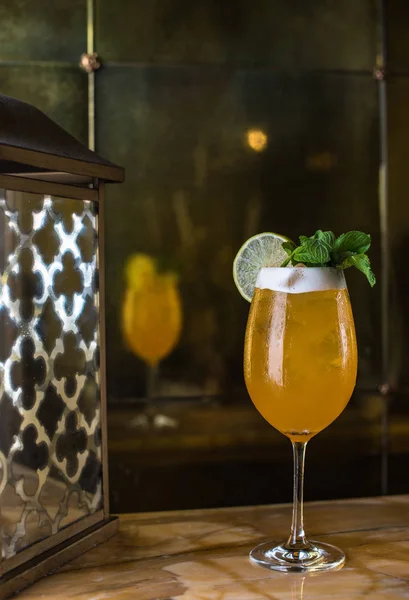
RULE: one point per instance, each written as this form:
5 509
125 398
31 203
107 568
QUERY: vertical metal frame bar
101 253
102 337
91 75
380 74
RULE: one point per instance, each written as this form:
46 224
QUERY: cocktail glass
300 369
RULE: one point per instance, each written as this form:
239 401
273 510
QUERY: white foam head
298 280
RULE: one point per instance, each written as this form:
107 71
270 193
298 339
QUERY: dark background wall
181 85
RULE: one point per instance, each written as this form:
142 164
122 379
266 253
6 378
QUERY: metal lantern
53 447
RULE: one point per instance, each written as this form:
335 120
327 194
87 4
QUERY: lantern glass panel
50 406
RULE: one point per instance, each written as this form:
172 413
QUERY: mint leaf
323 249
315 249
353 241
361 262
327 237
289 247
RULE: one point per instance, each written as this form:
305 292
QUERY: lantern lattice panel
50 414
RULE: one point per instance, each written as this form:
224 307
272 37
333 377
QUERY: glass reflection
151 317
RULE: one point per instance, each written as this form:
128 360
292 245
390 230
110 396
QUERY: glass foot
154 421
316 557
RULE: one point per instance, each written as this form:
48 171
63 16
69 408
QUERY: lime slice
261 250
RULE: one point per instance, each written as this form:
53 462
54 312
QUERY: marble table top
203 555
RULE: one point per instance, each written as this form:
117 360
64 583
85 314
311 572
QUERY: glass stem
151 391
297 539
152 374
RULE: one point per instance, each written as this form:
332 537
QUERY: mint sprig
323 249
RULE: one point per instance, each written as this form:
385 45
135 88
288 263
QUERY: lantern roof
31 143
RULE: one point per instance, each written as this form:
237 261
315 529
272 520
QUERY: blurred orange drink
151 312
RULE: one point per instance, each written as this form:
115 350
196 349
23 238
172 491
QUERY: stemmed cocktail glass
300 369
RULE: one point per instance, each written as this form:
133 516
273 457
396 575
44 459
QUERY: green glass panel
60 92
318 34
396 25
42 30
212 157
398 220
